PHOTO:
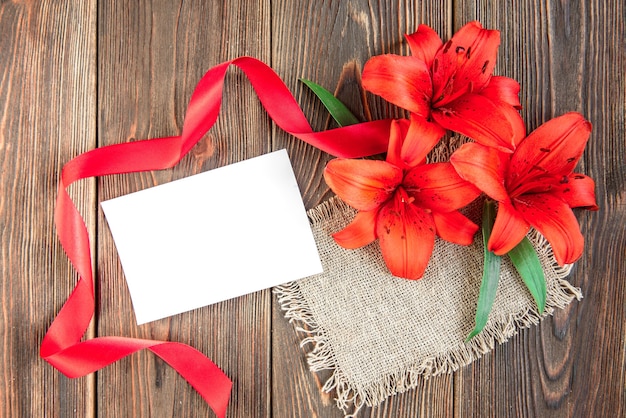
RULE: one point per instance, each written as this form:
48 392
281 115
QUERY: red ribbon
62 346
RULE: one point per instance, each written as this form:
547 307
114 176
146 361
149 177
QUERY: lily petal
554 219
455 227
438 187
403 81
516 121
465 63
578 191
552 149
360 232
362 184
482 166
407 236
503 89
424 44
420 140
508 230
480 118
397 133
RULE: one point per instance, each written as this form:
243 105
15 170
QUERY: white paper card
213 236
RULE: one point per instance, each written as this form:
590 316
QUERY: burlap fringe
498 330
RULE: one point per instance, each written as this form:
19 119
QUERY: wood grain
566 56
150 58
329 42
76 75
47 85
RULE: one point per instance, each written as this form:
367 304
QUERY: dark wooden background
75 75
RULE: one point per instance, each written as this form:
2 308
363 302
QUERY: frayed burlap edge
498 330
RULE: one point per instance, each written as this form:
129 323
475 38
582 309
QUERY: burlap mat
379 334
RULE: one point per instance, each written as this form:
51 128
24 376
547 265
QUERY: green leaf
337 110
491 272
527 264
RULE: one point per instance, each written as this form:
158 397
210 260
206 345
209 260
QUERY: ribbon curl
62 346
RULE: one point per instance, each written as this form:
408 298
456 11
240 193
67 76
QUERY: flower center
404 196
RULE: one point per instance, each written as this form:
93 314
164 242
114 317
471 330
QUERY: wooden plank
329 43
151 56
47 116
566 58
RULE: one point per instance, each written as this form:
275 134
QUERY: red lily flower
450 86
403 208
535 185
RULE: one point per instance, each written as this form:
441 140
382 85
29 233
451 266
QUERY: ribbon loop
62 346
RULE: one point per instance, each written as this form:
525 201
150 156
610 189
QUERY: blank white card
213 236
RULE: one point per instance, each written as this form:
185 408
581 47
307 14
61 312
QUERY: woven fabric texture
379 334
